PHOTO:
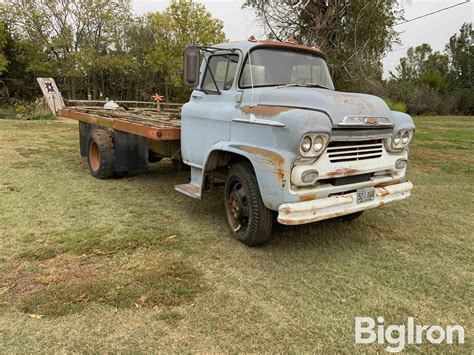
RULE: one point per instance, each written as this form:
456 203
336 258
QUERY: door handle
197 96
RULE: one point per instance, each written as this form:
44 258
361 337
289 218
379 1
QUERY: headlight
313 144
318 144
400 141
306 144
406 137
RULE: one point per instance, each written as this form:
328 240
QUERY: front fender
272 150
272 168
401 121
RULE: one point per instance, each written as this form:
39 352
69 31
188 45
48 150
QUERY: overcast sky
435 29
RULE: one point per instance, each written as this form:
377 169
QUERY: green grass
132 266
9 113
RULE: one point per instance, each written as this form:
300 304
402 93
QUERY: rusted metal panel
265 110
290 45
264 156
154 132
335 206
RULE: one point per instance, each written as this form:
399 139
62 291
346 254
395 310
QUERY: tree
3 42
182 24
460 50
423 66
355 34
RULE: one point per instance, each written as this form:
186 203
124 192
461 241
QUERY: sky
434 30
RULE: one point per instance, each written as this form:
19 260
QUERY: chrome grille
354 150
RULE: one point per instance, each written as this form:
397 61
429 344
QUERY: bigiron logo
397 336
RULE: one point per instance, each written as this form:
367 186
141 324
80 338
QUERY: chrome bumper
335 206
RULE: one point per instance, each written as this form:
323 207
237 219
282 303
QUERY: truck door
206 118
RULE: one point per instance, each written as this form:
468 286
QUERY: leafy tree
182 24
424 66
460 50
3 42
355 34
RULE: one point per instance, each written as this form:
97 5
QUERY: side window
224 67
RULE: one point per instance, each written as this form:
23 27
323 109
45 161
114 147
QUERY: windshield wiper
309 85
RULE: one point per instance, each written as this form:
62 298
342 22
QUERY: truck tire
101 154
249 220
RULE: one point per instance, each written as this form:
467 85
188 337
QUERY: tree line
439 82
99 49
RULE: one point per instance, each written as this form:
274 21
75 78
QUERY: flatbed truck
265 123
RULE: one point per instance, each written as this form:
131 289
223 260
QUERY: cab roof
247 45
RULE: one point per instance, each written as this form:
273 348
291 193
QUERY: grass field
132 266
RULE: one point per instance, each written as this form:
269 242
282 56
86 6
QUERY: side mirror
192 62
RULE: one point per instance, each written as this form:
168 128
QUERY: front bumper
335 206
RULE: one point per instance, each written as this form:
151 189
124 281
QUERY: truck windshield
277 67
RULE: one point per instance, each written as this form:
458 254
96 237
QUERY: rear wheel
101 154
249 220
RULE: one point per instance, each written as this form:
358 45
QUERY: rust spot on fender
343 172
266 110
309 197
267 157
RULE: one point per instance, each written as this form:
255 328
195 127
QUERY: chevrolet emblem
371 120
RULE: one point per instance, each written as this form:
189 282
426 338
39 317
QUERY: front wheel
249 220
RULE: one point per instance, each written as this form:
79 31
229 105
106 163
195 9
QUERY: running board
190 190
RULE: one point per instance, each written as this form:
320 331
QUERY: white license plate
364 195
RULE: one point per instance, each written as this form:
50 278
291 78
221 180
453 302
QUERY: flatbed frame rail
149 123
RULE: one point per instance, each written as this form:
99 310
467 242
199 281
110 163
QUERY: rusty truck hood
336 105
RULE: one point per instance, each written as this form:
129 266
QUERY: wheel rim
238 206
94 156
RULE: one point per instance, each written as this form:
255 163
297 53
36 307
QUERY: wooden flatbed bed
150 123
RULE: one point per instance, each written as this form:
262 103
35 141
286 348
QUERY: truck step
191 190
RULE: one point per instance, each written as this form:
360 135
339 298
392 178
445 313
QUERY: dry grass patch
95 242
68 283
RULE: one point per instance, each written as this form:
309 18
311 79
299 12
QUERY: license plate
364 195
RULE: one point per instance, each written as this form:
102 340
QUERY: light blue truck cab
265 121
